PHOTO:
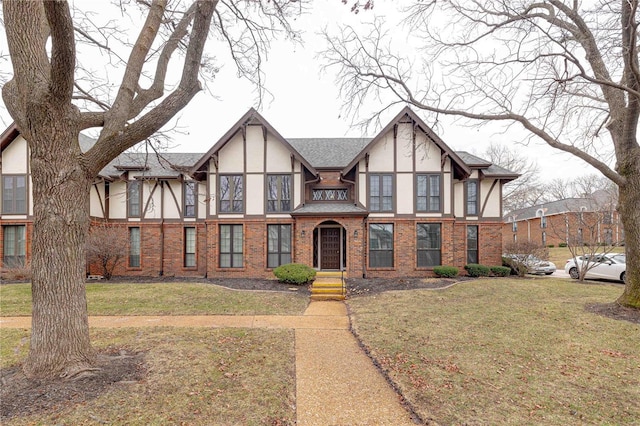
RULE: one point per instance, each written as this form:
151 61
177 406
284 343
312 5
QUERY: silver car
611 266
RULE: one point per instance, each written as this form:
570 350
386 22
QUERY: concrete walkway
336 383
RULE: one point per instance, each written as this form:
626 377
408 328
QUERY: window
279 193
543 222
14 246
231 194
381 245
14 194
429 244
428 196
380 193
608 236
231 246
134 198
190 197
514 226
472 244
279 245
607 219
134 247
472 197
190 247
544 238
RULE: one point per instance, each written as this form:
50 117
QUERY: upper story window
472 197
14 194
381 193
543 222
279 193
134 198
514 226
428 193
335 194
231 194
190 197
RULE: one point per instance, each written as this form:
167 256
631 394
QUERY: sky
305 101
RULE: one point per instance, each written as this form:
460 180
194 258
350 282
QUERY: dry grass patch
507 351
165 299
193 376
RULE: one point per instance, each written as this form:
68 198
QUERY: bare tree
52 100
520 254
524 191
107 246
565 71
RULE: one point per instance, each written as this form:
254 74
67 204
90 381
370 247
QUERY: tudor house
397 204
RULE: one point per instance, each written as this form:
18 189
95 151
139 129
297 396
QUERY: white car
612 266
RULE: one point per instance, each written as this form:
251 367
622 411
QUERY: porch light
355 234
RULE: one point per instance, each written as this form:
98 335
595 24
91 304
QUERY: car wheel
623 277
573 273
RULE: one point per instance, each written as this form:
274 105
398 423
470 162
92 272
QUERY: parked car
612 266
534 265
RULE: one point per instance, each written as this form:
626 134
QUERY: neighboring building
397 204
592 220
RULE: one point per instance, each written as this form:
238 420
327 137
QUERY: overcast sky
306 101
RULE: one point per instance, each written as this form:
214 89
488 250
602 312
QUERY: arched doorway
329 246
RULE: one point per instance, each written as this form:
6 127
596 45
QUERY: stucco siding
15 157
117 200
490 196
404 148
381 157
404 193
278 156
96 201
172 199
427 154
255 194
255 149
231 156
458 195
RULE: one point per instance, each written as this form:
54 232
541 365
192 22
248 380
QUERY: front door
329 248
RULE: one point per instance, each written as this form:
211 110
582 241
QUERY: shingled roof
329 153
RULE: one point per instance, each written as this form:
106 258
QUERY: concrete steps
328 285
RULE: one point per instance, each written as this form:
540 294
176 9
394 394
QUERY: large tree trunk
60 343
629 207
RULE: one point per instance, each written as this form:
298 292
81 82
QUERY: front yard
487 351
508 351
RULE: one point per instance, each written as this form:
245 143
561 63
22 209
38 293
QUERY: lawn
508 351
165 299
194 376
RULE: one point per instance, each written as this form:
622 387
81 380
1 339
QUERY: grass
195 376
507 351
164 299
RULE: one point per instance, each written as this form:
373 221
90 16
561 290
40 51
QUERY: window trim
131 248
129 198
187 184
231 191
392 250
418 249
476 183
231 252
185 247
279 252
6 203
428 195
381 195
279 186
